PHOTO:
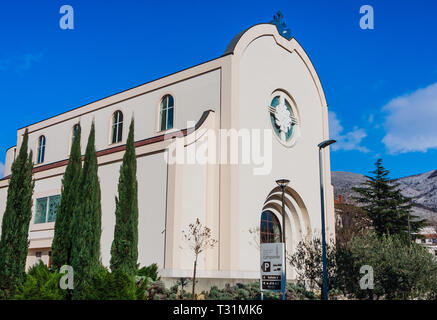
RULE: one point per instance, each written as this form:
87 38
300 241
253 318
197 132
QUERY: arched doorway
297 223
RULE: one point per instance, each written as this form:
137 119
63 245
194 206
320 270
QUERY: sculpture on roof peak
281 26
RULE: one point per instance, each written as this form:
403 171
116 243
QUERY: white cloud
2 169
21 63
411 123
345 141
28 60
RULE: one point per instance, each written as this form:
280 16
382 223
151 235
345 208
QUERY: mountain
422 188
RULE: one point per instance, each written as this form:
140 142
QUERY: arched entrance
297 222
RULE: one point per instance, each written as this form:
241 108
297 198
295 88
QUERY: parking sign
272 266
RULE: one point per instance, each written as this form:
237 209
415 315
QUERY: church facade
211 141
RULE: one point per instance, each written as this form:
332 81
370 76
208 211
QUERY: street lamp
283 183
321 146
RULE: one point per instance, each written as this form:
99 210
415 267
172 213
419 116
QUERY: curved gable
241 41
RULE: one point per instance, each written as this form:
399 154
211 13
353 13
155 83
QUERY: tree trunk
194 278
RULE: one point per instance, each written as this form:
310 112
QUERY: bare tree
199 239
350 221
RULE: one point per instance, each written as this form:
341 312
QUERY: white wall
3 198
152 189
9 159
192 98
266 67
108 177
152 184
42 233
152 192
193 207
32 259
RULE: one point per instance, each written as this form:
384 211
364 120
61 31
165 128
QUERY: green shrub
402 269
308 263
142 284
149 272
40 284
251 291
216 294
297 292
105 285
157 291
183 283
118 285
43 284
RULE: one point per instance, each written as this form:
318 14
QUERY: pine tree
124 250
61 246
384 204
15 226
86 227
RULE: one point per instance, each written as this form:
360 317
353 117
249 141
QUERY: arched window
166 113
117 127
41 149
270 231
74 132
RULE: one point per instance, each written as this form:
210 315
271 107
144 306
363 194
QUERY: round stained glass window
283 118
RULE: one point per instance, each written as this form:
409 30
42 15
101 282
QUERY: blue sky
381 84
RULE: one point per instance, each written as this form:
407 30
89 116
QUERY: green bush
116 285
149 272
298 292
141 287
252 291
40 284
307 261
216 294
157 291
43 284
402 269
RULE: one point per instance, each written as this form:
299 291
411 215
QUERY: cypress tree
15 226
384 204
124 249
61 246
86 228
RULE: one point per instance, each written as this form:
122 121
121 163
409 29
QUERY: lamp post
283 184
321 146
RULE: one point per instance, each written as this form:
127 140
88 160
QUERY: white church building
262 97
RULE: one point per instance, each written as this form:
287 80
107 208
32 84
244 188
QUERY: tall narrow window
270 228
41 149
74 132
117 127
166 113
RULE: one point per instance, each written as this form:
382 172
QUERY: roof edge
231 46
